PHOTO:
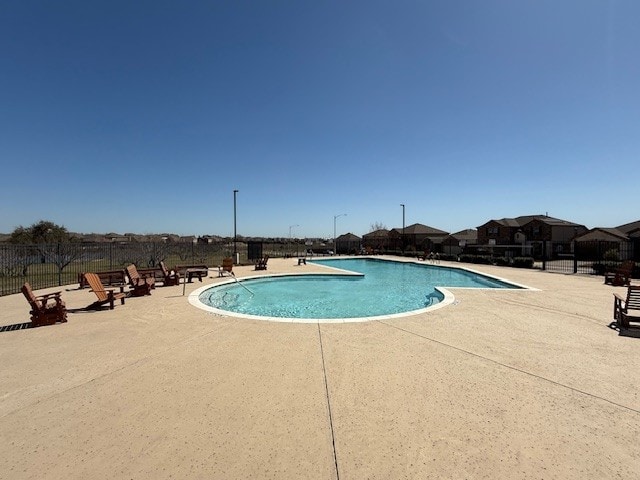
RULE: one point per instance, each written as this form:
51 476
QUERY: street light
402 205
335 250
235 231
290 227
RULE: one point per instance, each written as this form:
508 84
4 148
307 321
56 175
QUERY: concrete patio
499 385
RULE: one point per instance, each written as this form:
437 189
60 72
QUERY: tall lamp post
290 227
335 250
235 230
402 205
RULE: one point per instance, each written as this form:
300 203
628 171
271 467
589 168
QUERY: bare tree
377 226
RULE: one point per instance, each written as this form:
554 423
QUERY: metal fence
591 258
49 265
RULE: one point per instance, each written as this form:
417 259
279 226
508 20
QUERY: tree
377 226
42 232
54 244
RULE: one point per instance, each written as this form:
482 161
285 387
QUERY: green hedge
523 262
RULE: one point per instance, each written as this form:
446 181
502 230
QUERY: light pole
402 205
235 231
290 227
335 250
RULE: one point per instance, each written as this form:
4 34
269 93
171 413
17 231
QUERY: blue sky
144 116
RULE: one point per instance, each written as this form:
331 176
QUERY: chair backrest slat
165 270
30 296
227 264
132 271
633 298
96 285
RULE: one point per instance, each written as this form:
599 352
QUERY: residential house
530 235
376 241
417 237
455 243
348 244
622 242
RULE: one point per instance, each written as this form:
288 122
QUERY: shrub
502 261
483 259
523 262
611 255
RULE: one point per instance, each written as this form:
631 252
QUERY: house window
536 230
492 230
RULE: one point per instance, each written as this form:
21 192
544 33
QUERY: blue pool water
381 288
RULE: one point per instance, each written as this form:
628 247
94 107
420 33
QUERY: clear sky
144 116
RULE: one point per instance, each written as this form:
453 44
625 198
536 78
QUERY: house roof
630 227
467 234
383 232
348 237
599 233
524 219
420 229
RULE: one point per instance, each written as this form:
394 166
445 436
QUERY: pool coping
449 298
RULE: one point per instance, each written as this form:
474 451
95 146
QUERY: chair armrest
49 295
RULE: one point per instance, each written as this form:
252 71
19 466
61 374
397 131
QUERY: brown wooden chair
262 263
105 295
45 309
140 285
170 277
624 308
226 268
620 276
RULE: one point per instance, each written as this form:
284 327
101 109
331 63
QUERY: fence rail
49 265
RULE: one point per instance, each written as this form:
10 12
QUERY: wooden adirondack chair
621 275
45 309
262 263
170 277
624 308
226 268
140 285
104 295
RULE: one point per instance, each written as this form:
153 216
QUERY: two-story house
530 235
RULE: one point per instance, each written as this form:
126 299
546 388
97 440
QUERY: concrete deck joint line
554 382
326 387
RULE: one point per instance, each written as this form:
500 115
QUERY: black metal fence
591 258
49 265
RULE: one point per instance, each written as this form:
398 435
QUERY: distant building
455 243
530 235
376 241
417 237
348 244
624 240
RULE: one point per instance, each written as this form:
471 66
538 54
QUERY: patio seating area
501 384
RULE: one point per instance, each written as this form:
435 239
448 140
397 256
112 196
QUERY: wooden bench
156 273
191 271
107 277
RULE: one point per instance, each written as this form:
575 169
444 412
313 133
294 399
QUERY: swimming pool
351 290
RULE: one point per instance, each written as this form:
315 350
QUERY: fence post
544 255
575 257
